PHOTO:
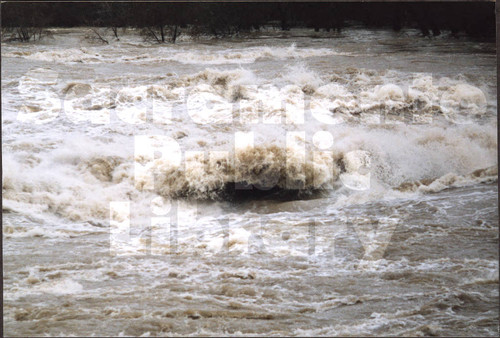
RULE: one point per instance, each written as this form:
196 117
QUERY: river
278 183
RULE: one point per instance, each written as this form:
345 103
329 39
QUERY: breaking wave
401 133
451 180
268 168
93 55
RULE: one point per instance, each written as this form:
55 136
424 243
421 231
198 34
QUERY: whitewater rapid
319 154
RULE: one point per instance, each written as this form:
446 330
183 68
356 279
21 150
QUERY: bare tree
29 22
162 23
161 33
97 35
107 18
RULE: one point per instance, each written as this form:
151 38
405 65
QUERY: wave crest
451 180
267 168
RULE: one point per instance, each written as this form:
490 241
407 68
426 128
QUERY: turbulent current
278 183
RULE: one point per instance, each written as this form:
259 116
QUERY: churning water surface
135 185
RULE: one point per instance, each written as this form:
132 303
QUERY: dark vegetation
165 22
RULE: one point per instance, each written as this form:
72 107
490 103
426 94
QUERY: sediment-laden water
280 183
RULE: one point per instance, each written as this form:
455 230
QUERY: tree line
165 22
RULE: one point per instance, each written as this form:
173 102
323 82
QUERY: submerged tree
27 21
160 23
106 20
164 22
